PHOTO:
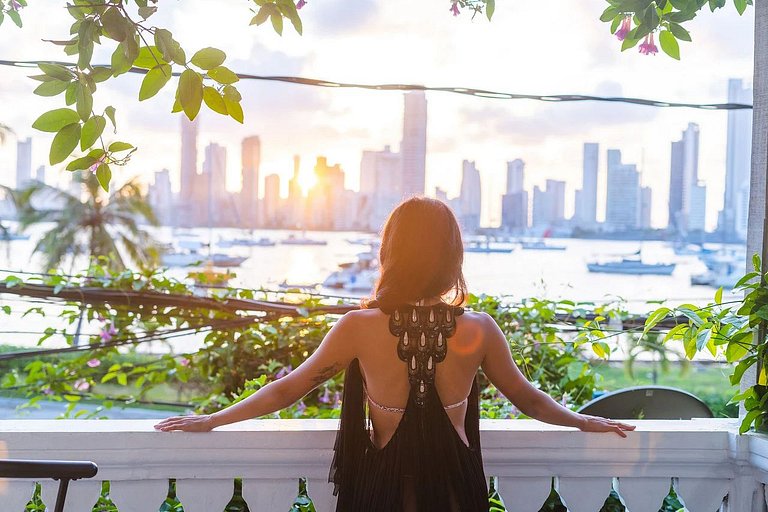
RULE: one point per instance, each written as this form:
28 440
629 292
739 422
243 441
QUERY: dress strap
401 410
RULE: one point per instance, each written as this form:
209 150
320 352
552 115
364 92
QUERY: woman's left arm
333 355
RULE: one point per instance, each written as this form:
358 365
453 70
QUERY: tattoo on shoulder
323 374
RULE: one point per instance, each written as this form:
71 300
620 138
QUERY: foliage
93 224
736 330
239 354
204 79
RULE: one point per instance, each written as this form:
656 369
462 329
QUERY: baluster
15 494
266 495
524 494
702 494
321 492
138 495
643 494
584 494
198 495
81 494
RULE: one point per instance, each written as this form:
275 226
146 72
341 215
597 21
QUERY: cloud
338 16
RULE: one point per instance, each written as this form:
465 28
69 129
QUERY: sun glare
307 180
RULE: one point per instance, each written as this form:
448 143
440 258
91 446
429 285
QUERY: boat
181 259
247 242
225 260
725 276
357 276
541 245
632 264
302 240
486 248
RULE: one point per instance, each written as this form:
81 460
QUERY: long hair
420 257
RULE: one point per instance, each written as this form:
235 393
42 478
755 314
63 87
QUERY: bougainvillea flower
300 4
626 26
455 9
648 47
93 363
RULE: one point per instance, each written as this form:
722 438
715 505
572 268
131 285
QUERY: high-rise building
549 204
515 176
514 204
190 210
218 208
23 162
414 145
646 204
697 213
471 197
296 202
737 163
326 199
683 176
160 197
272 200
585 215
249 194
380 185
622 209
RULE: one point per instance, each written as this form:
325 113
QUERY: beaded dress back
425 466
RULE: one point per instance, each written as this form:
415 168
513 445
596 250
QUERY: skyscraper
549 204
272 200
380 184
683 176
249 194
161 197
646 205
326 199
414 145
622 209
191 211
737 162
217 211
296 203
586 197
471 197
697 214
23 162
514 204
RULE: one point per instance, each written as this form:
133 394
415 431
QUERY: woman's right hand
599 424
191 423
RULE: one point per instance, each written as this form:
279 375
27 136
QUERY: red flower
626 26
648 47
455 9
300 4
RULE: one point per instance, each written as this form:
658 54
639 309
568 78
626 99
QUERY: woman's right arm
503 373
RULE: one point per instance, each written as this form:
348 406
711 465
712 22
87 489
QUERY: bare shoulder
476 320
360 319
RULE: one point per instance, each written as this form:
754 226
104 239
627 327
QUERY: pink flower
47 391
93 363
626 26
455 9
325 397
81 385
107 333
184 361
285 370
301 407
96 166
300 4
648 47
15 5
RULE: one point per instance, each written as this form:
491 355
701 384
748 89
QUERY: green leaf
71 95
190 93
223 75
145 12
676 331
169 47
629 43
208 58
114 25
117 147
64 143
234 109
277 22
56 71
110 113
52 88
101 73
263 14
14 15
702 338
104 176
756 262
736 350
214 100
609 14
748 420
54 120
490 8
120 63
92 130
679 32
231 92
80 164
84 101
149 57
154 80
669 44
719 296
654 318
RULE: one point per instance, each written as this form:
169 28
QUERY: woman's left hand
196 423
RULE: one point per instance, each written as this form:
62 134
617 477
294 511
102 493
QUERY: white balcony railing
709 464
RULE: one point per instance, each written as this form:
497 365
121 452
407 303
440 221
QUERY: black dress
425 467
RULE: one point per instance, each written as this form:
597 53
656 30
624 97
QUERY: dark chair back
648 402
60 470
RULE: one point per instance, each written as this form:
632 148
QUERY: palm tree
95 225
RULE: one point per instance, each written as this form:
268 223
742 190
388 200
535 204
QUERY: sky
530 47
